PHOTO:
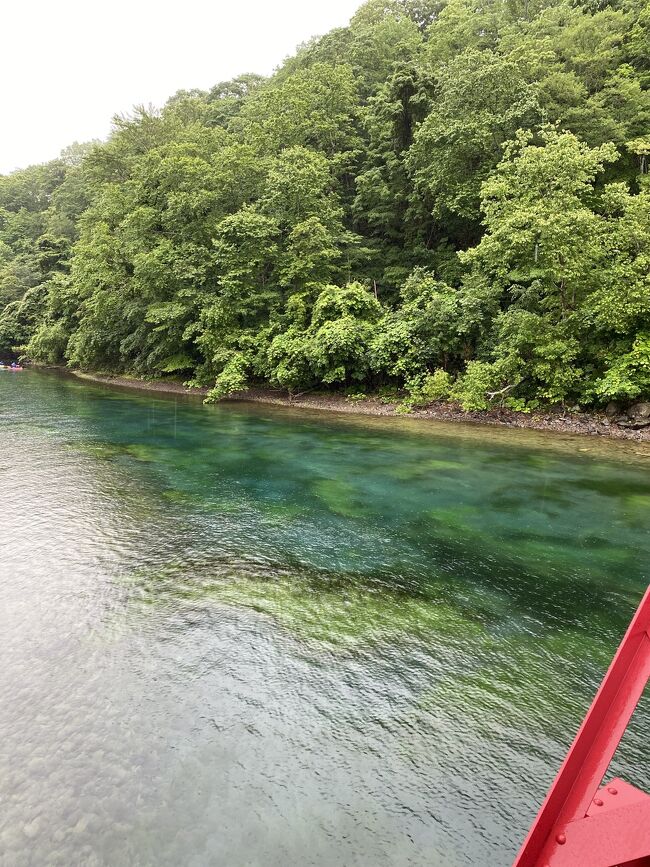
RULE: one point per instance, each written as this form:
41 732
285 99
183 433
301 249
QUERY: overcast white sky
67 66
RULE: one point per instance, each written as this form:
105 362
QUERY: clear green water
244 636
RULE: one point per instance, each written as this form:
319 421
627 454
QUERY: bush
472 388
48 343
629 375
427 388
232 378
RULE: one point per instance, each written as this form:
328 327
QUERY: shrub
471 390
232 378
427 388
629 374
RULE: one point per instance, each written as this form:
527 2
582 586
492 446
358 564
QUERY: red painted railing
584 824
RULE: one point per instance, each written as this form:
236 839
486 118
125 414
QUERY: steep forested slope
450 198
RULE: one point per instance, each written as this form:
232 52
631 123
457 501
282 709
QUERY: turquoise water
242 635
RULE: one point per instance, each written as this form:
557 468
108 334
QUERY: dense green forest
451 199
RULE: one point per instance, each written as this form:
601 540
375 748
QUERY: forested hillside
451 199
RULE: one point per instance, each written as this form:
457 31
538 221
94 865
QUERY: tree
314 108
334 347
481 102
539 261
446 197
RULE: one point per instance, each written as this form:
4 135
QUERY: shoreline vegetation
552 421
445 203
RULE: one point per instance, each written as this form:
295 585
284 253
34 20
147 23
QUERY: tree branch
493 394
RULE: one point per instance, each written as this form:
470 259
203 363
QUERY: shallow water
247 636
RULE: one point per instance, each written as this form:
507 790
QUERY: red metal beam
614 837
555 831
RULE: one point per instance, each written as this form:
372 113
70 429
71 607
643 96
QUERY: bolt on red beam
572 793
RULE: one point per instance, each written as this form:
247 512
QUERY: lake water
239 635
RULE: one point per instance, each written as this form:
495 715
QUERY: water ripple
242 637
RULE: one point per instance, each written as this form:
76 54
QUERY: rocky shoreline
615 423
